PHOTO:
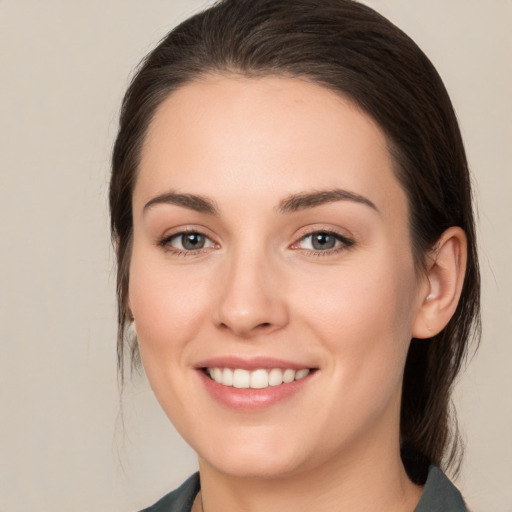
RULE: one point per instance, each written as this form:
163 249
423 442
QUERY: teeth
227 377
275 377
241 379
300 374
288 376
257 379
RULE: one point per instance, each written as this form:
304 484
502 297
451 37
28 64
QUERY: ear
446 268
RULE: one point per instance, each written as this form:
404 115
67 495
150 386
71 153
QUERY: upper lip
253 363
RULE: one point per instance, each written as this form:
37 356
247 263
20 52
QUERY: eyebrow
297 202
193 202
292 203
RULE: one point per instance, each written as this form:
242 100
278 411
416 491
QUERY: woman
291 208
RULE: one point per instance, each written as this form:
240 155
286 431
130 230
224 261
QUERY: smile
257 379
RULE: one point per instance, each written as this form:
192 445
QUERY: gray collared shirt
439 495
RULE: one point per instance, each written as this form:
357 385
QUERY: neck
371 481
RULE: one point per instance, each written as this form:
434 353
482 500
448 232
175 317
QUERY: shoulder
179 500
439 494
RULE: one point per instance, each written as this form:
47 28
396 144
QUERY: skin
257 288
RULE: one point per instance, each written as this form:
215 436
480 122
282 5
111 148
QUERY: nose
252 299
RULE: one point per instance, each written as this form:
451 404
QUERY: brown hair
351 49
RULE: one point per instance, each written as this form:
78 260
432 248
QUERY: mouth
260 378
256 383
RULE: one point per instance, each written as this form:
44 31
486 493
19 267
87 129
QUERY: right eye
187 241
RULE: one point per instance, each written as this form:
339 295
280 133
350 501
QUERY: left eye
189 241
322 241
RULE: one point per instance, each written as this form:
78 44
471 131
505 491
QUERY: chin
262 467
258 460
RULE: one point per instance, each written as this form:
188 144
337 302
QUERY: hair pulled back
354 51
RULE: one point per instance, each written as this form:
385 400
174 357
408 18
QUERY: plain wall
64 66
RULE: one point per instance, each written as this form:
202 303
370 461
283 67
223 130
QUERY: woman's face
271 242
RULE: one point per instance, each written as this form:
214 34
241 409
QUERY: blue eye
187 241
192 241
323 241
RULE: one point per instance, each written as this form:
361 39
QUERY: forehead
263 136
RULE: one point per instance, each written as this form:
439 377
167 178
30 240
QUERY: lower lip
249 399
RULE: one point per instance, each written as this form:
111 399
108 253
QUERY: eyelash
165 243
344 243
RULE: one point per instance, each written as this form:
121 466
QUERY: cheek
167 306
364 318
168 309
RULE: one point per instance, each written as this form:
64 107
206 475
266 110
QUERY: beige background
64 65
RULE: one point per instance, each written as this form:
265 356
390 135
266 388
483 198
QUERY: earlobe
444 278
132 329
